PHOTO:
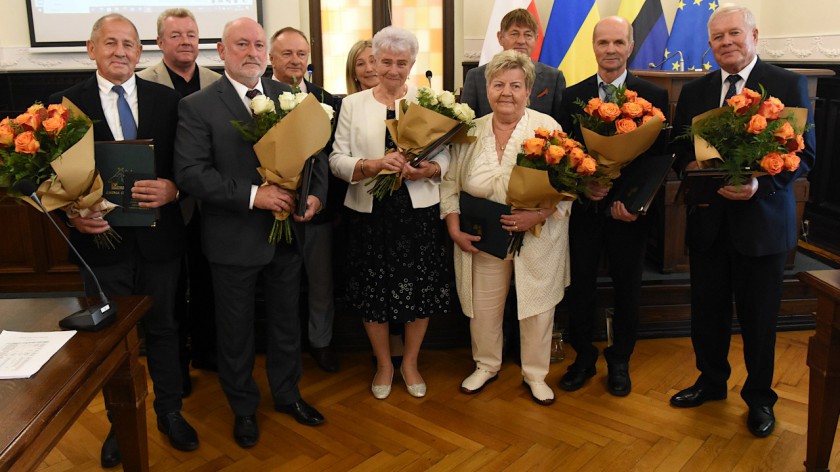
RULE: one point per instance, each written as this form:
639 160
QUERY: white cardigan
541 270
360 134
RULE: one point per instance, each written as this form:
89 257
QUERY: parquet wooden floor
498 429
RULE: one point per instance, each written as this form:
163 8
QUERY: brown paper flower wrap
615 152
74 183
752 135
420 130
283 150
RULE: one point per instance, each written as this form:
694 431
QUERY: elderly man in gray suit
177 38
518 31
219 167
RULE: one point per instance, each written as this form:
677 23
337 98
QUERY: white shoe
477 380
381 392
415 390
540 392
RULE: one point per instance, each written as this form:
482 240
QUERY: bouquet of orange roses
53 148
618 130
550 168
753 133
283 141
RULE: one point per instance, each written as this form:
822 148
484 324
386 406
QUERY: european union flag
690 35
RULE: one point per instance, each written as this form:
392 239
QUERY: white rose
262 105
459 112
329 110
446 99
287 101
432 100
299 97
425 92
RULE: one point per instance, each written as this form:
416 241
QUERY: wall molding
24 59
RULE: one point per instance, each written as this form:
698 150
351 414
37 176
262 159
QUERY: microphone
429 77
703 58
675 53
310 70
94 317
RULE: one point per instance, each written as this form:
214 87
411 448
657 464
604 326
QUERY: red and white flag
500 9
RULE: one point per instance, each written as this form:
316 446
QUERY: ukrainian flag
568 39
650 33
690 35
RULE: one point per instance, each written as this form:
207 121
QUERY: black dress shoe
695 396
575 377
110 455
618 379
302 412
325 358
245 431
761 420
181 435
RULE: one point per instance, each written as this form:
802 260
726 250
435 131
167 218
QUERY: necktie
732 79
609 91
252 93
129 127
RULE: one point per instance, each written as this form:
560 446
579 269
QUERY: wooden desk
824 361
35 413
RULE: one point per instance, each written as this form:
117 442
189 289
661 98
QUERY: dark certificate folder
121 163
641 180
305 186
480 217
699 186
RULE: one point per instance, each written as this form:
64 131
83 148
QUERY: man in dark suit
738 244
217 166
519 32
177 39
595 227
147 260
289 56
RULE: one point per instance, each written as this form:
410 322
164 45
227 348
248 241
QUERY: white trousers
491 283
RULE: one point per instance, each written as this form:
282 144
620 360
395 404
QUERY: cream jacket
360 134
541 270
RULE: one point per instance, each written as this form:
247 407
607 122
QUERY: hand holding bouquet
423 129
753 133
618 130
284 140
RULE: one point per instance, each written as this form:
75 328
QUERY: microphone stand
675 53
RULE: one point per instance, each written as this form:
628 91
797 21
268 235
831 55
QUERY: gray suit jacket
158 73
217 166
545 95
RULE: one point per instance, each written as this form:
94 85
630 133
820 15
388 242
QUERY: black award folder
120 164
641 180
305 185
699 186
480 217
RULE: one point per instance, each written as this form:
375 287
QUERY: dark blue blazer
765 224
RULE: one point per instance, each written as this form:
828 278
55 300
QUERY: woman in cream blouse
396 272
541 270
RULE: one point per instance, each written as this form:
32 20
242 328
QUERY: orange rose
54 125
609 112
588 166
796 144
592 106
29 121
658 113
7 134
533 147
558 135
59 110
753 97
757 124
576 156
542 133
771 108
773 163
646 118
569 144
739 104
554 154
632 110
784 133
646 105
624 125
630 95
791 161
26 143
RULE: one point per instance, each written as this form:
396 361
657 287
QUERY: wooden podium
667 244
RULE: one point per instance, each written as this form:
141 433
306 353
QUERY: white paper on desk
23 354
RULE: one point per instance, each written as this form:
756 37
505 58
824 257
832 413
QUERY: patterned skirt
397 270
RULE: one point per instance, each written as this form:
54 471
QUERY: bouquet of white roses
284 140
434 121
